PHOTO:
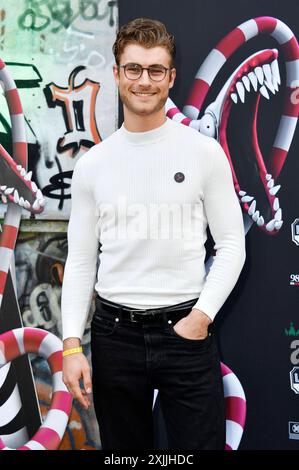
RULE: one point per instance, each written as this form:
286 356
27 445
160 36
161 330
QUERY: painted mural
59 54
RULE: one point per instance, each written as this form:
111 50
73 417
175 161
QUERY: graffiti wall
40 260
59 54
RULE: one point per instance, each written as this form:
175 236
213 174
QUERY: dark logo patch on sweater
179 177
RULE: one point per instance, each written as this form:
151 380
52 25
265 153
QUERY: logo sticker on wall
294 357
295 231
292 331
294 279
294 378
293 430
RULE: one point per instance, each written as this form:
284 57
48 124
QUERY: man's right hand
74 367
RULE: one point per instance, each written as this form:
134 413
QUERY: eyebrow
151 65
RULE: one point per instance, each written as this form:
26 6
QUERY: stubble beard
139 110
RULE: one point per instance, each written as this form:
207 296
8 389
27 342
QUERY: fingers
87 380
80 395
73 370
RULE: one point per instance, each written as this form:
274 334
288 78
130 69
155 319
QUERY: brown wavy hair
145 32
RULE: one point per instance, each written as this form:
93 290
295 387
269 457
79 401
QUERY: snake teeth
17 199
34 187
261 78
276 222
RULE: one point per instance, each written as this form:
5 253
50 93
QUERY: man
147 194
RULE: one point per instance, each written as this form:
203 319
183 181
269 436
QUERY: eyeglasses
157 73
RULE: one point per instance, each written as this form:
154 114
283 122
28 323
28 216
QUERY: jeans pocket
103 326
190 340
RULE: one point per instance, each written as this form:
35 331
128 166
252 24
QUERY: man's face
144 97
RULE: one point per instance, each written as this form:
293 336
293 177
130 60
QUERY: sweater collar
148 137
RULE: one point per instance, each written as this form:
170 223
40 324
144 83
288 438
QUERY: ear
116 73
172 75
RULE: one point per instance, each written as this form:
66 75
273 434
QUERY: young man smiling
147 194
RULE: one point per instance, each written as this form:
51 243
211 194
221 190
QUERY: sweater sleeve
224 217
81 264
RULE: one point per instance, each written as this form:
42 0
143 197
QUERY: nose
144 79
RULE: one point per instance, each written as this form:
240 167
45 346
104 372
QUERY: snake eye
207 125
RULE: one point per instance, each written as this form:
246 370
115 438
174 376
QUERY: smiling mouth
137 93
255 186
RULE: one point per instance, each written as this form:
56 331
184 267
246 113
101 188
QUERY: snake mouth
18 187
258 78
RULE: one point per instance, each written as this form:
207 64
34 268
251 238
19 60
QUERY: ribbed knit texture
150 226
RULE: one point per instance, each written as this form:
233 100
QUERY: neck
135 123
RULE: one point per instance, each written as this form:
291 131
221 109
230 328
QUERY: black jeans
130 360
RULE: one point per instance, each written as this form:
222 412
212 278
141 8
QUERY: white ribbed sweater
149 225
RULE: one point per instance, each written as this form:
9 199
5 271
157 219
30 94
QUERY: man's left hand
193 326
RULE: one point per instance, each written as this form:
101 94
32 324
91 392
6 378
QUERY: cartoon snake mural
18 191
258 76
34 340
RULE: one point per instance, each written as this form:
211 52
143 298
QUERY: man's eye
156 70
133 69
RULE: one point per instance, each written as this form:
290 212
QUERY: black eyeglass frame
148 71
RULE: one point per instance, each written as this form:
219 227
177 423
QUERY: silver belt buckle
132 317
134 313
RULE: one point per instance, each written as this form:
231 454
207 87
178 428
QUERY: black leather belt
142 315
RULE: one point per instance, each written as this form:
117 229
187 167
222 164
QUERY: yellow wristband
72 351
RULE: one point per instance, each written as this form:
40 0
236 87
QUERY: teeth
234 97
27 204
246 82
247 199
242 193
256 216
270 183
253 79
259 73
241 91
4 198
276 204
9 190
275 84
34 187
28 176
251 209
275 71
36 205
142 94
270 225
260 221
16 196
23 172
278 215
21 201
267 72
3 188
19 167
268 176
39 194
274 190
270 86
263 91
278 224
